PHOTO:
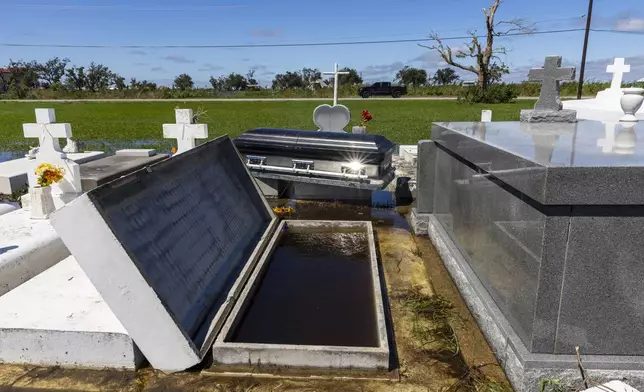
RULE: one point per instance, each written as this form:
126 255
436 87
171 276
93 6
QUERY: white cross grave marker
336 75
185 131
618 69
48 132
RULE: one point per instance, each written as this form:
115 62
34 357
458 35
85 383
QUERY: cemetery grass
403 122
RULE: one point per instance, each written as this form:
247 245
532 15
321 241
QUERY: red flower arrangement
365 118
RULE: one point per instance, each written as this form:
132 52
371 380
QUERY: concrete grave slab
59 319
137 152
27 248
104 170
170 247
13 174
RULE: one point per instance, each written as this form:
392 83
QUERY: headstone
169 247
549 107
336 76
48 132
185 131
331 118
486 116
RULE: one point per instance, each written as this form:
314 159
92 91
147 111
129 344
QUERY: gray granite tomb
542 232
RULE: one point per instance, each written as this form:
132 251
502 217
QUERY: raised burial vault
187 253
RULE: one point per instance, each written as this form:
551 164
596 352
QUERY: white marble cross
336 76
48 132
185 131
618 69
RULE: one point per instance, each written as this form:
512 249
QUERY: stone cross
185 130
549 76
48 132
336 76
618 69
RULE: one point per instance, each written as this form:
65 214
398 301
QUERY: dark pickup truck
382 88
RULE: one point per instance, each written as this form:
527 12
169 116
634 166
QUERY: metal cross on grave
185 131
549 76
618 69
48 132
336 76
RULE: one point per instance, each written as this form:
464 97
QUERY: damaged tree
488 66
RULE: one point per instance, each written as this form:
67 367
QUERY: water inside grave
317 290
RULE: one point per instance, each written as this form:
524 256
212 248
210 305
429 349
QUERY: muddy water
317 290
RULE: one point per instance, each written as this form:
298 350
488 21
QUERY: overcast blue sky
200 22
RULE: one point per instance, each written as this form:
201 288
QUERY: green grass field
403 122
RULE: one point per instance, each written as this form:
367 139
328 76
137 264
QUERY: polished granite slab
585 163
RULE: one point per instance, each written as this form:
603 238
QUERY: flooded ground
436 343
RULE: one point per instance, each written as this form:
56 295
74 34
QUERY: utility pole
589 18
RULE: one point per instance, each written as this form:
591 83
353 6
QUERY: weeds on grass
473 379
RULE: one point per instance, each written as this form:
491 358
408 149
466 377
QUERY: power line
618 31
282 45
124 7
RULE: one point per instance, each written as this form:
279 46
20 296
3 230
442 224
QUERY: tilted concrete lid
169 247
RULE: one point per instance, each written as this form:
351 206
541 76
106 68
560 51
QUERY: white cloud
630 24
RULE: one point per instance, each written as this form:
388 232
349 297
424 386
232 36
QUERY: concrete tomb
317 165
27 248
288 316
59 319
606 105
174 247
17 173
549 107
102 171
539 226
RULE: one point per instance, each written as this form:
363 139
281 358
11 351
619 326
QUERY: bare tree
485 55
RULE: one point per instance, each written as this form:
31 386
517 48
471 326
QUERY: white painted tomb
27 248
16 173
59 319
606 105
185 130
